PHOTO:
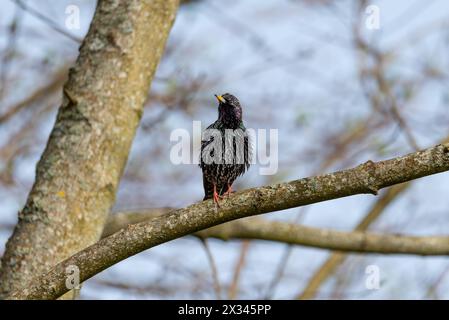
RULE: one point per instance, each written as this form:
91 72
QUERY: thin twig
40 93
433 288
234 287
49 22
9 51
213 268
282 265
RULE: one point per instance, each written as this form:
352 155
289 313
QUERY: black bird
225 149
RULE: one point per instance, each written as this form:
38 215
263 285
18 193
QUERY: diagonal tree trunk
79 171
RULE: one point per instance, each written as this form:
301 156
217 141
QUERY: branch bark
366 178
78 173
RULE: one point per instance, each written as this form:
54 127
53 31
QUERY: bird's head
229 108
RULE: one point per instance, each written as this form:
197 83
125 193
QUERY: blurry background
339 93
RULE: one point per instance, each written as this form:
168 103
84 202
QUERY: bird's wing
248 151
248 147
205 142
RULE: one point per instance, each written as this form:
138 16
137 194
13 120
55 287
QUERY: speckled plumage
235 159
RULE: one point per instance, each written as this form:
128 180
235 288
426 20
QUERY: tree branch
366 178
353 241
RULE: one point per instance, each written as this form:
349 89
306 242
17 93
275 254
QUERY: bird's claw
218 197
216 200
228 192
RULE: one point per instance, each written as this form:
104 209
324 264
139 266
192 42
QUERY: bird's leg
216 197
229 191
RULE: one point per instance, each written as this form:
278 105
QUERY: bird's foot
216 198
228 192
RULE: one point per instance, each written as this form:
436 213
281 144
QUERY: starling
225 149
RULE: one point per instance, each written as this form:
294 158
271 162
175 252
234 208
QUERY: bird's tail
208 189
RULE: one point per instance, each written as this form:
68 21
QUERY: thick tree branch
366 178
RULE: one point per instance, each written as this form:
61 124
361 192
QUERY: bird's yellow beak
220 98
